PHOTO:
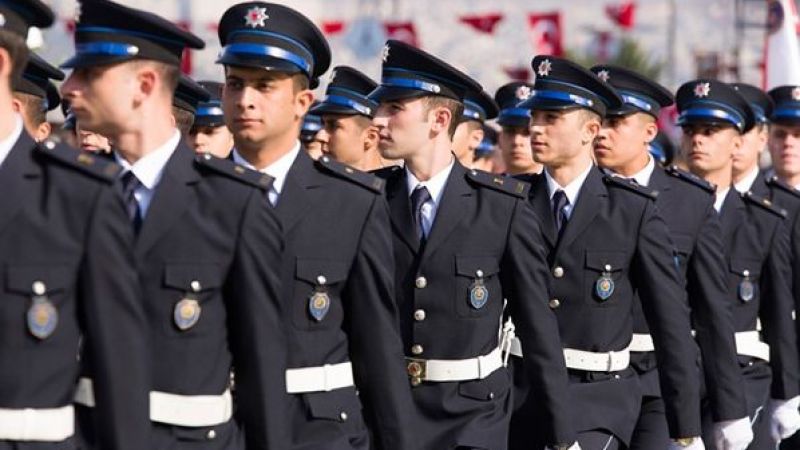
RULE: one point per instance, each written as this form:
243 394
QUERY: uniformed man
209 133
606 243
310 132
514 139
687 205
188 95
338 294
451 281
745 167
478 108
347 134
35 95
714 117
207 245
486 151
662 149
65 246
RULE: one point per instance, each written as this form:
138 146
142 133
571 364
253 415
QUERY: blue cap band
106 48
786 113
761 117
710 112
408 83
635 100
210 110
516 112
349 103
473 111
268 50
562 96
658 152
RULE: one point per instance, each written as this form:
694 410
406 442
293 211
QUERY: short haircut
301 82
588 115
473 125
183 120
455 107
170 74
18 50
33 107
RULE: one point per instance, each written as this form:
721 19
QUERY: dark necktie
419 197
129 185
560 202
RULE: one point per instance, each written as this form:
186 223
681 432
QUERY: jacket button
416 381
419 315
343 416
421 282
416 349
211 434
554 303
558 272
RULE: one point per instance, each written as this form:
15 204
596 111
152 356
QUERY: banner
545 33
782 52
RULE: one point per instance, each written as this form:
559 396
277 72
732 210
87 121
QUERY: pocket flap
740 265
340 405
468 266
53 278
599 259
311 269
183 275
487 389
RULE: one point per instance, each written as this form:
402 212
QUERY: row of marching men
650 307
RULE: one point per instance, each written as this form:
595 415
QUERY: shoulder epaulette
385 173
691 179
764 203
500 183
356 176
774 181
94 165
233 170
630 186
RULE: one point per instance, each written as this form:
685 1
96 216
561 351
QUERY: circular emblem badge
478 295
318 305
42 318
604 287
186 313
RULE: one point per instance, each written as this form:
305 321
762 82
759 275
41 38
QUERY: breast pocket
478 288
317 295
43 291
746 273
195 304
605 281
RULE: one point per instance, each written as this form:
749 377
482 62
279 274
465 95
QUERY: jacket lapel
590 200
400 209
454 204
296 195
16 174
173 195
731 215
540 200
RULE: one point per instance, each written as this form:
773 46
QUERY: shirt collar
720 198
8 143
149 168
642 177
746 183
435 184
277 170
572 189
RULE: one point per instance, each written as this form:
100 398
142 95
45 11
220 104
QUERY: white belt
642 343
588 361
46 425
174 409
319 379
444 370
748 343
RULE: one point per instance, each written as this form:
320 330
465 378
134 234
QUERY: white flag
782 53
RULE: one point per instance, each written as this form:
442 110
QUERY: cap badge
702 89
603 75
796 93
544 68
385 53
256 17
523 92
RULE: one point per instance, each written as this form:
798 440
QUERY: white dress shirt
277 170
8 143
435 186
571 190
720 199
643 176
148 170
746 183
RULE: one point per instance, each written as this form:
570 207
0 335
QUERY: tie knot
419 197
129 181
560 200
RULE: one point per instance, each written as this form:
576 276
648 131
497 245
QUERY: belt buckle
416 370
611 360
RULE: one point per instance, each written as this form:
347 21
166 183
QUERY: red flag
483 23
622 14
518 73
545 33
402 31
186 62
332 27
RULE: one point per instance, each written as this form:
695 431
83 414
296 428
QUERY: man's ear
475 138
303 101
16 105
371 137
442 117
43 131
6 64
590 130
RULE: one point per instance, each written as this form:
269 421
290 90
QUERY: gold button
343 416
554 303
558 272
211 434
421 282
419 315
416 349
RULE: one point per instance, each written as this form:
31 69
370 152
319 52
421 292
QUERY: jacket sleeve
525 285
116 328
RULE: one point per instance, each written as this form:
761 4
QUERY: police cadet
514 138
714 117
686 203
207 244
451 281
606 243
745 168
338 294
67 278
185 101
209 133
310 132
347 134
485 152
478 108
35 95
